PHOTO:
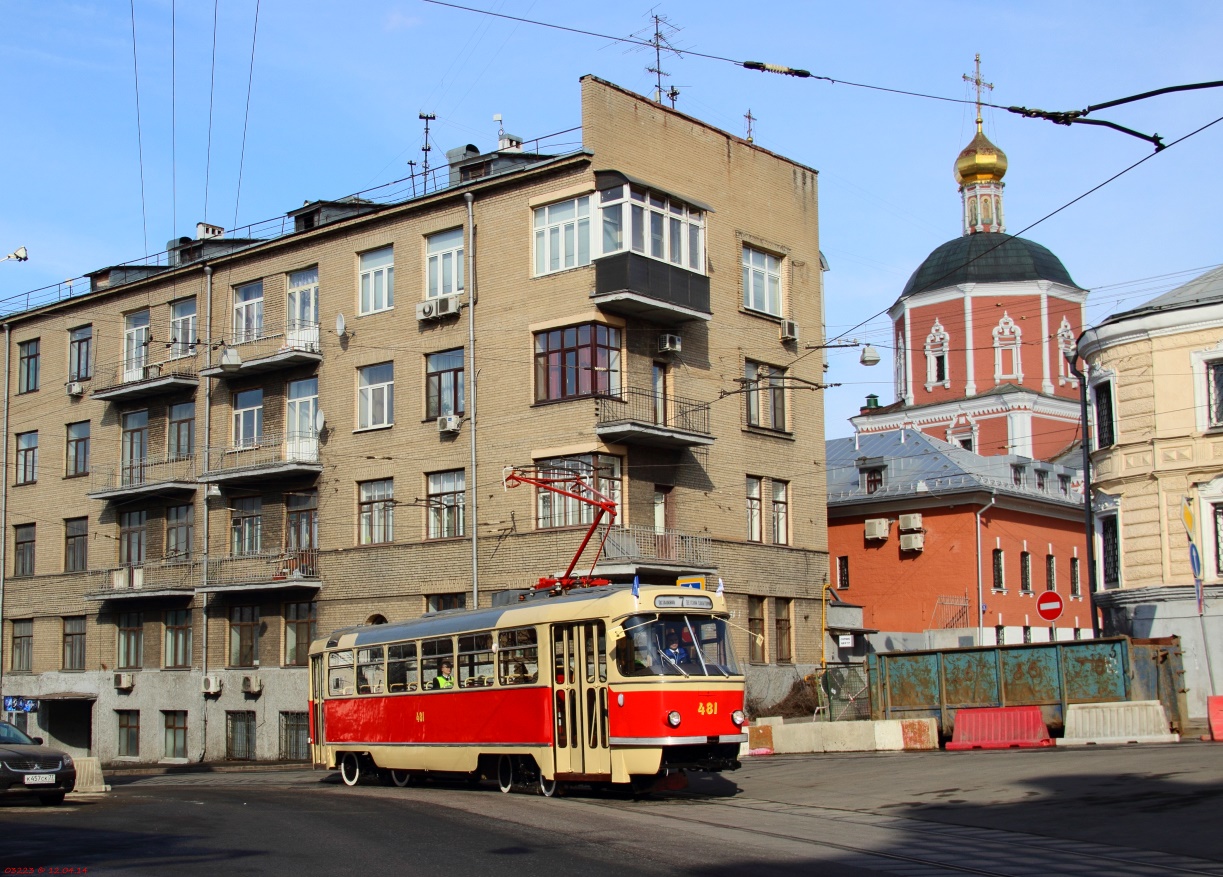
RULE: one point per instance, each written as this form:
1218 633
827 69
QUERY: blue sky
337 88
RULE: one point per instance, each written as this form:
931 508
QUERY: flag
636 586
721 587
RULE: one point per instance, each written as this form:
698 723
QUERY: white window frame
766 395
1065 347
1201 361
135 344
1209 536
755 514
248 420
553 228
1100 380
183 327
379 496
248 312
444 263
628 214
302 323
447 499
553 510
938 344
376 280
1107 506
375 398
762 288
781 512
1008 344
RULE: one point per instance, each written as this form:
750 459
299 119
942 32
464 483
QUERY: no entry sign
1049 606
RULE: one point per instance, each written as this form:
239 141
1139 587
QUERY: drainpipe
471 493
207 446
993 498
1089 517
8 358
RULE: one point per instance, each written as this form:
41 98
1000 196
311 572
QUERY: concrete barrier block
846 736
1137 721
888 735
919 734
768 721
760 740
796 737
89 776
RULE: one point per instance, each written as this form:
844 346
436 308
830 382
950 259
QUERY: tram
598 684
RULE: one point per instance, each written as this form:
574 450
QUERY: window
74 642
475 660
601 471
1017 476
23 646
1025 572
180 438
180 531
294 737
1042 479
80 353
766 395
577 361
129 733
781 512
77 462
246 526
23 555
761 281
999 571
240 735
1110 539
244 636
133 537
444 265
300 628
1076 589
446 499
1050 572
1102 393
1007 346
442 602
301 532
376 395
176 733
1063 485
375 510
755 524
377 280
134 446
135 345
658 226
183 332
872 479
444 383
248 312
303 323
27 367
843 571
177 639
937 346
562 235
518 656
755 629
27 457
76 544
131 640
248 418
781 625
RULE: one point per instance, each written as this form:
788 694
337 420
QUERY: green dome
986 257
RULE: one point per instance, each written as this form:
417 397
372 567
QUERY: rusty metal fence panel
844 693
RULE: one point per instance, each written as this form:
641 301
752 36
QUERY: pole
470 490
1089 518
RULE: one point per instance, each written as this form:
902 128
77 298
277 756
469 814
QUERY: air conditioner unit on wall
211 684
124 681
436 308
449 423
251 685
912 541
877 528
910 522
668 343
789 330
75 388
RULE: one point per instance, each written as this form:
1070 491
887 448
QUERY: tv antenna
426 149
658 36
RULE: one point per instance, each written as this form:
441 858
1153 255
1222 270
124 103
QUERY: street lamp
870 356
18 255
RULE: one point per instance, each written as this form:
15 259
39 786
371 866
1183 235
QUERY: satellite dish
340 327
319 420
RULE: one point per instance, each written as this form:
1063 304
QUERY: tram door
318 675
579 698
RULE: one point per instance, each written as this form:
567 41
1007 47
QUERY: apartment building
265 436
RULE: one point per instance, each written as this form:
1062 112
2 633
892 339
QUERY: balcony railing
280 569
269 454
143 476
672 547
645 417
162 578
146 375
268 346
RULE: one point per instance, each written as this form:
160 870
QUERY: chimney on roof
203 231
872 403
509 142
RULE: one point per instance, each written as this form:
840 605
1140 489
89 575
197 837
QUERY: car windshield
11 734
675 645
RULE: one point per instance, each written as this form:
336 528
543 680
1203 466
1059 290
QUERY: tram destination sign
1049 606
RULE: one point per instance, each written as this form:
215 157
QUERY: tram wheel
505 773
350 768
400 777
547 788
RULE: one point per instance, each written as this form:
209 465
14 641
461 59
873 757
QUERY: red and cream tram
605 684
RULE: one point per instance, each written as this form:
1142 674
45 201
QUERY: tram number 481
708 708
420 717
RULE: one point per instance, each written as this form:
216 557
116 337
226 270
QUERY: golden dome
980 160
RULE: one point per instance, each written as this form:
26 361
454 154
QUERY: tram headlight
738 718
673 718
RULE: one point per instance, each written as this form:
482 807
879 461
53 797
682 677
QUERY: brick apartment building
269 435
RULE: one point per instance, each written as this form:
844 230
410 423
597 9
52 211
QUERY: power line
139 141
212 89
250 79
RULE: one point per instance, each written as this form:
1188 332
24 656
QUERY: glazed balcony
267 347
637 286
167 578
643 417
269 456
141 377
143 478
297 568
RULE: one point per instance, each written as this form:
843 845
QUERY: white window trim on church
1210 535
1203 392
1007 346
938 344
970 430
1065 348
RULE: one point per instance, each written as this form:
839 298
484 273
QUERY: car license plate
39 779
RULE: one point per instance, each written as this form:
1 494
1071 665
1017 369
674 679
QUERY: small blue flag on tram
636 585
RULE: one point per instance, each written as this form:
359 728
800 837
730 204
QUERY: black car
27 767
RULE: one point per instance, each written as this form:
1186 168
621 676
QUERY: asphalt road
1138 811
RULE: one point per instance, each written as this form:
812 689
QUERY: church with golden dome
981 331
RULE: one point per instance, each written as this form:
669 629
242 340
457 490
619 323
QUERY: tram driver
674 651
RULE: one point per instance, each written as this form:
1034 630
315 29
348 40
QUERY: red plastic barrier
1007 727
1214 709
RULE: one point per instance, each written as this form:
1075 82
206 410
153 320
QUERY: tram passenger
444 678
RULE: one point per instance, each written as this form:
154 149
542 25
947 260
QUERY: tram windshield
675 645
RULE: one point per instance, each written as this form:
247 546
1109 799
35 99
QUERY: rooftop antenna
412 174
500 127
658 39
426 118
750 118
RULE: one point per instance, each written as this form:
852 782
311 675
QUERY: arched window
937 363
1065 347
1007 363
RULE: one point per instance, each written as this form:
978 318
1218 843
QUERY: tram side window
432 653
476 660
371 674
401 667
518 653
339 674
